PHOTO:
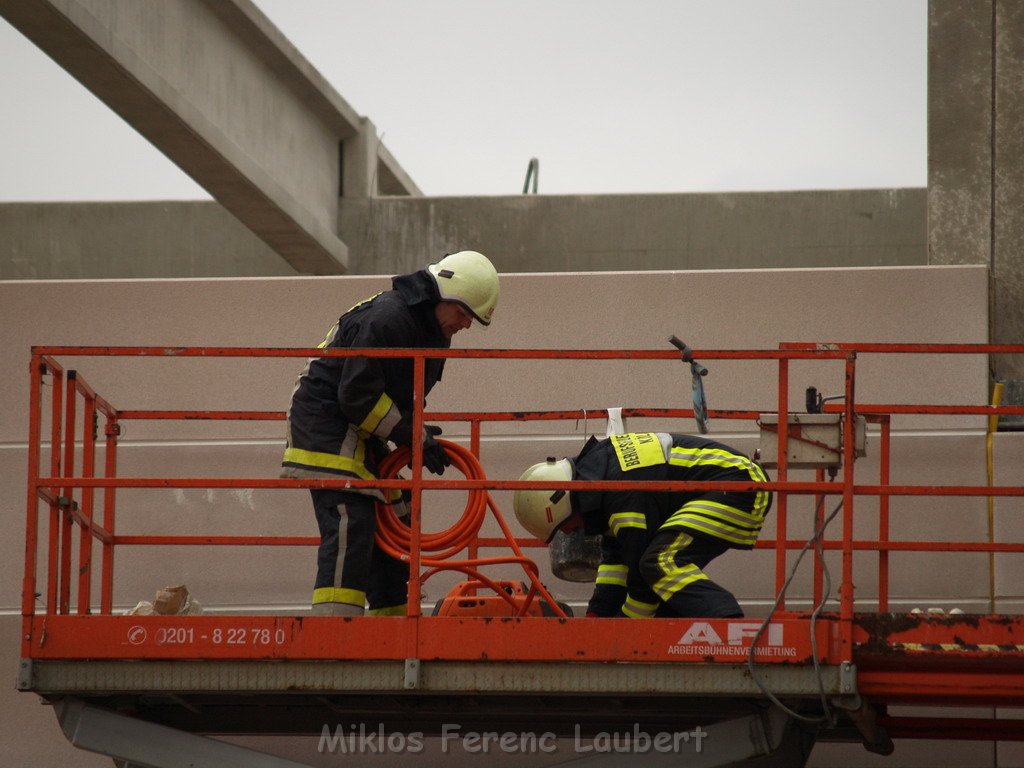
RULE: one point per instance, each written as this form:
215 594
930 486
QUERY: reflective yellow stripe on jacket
328 461
383 418
715 457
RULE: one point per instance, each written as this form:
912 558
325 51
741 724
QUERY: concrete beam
219 90
392 178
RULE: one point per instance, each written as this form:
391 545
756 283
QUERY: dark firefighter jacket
344 410
629 520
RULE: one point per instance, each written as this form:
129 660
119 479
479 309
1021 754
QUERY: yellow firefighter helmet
542 511
468 278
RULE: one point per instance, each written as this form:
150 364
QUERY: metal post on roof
532 171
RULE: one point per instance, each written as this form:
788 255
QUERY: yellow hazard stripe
963 647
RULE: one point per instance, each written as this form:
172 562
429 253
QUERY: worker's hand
435 457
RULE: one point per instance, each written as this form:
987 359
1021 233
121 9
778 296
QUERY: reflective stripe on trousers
351 568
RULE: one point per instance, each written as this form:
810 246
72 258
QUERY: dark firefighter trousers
673 565
351 568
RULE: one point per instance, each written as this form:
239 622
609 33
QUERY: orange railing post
474 448
416 518
28 584
39 366
85 540
112 431
781 497
846 588
883 514
67 501
819 518
53 543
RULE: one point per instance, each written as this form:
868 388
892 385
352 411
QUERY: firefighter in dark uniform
345 411
655 544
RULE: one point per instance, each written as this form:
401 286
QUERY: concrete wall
70 241
535 233
722 310
976 155
549 233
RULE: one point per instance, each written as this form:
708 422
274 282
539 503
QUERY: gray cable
815 541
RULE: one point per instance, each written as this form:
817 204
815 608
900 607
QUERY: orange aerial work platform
790 678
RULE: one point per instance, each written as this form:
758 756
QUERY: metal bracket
25 676
848 677
66 502
412 674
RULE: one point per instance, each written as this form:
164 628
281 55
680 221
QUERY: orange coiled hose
394 536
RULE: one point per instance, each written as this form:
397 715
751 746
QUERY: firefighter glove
435 457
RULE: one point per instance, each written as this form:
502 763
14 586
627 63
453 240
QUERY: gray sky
611 96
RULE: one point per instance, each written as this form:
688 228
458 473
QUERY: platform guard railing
56 489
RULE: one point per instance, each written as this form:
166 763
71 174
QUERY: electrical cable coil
394 536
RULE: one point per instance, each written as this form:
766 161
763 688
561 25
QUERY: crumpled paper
169 601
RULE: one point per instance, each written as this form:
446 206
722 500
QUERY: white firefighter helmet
468 278
542 511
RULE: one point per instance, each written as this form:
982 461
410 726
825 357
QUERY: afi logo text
737 633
